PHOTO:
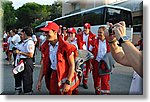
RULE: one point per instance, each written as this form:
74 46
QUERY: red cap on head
51 26
87 25
72 30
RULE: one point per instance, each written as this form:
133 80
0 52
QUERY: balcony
72 1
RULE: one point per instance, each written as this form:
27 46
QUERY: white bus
97 17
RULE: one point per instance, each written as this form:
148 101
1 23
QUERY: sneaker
29 93
18 91
12 63
85 86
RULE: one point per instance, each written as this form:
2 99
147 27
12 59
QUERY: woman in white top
10 44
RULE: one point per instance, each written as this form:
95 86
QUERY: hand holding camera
115 31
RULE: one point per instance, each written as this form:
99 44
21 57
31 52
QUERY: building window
76 6
137 24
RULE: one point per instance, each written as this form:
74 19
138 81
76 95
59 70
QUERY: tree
56 9
31 13
9 18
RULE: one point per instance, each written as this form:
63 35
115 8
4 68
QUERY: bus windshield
117 15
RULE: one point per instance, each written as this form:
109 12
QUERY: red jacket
95 44
90 38
80 44
64 51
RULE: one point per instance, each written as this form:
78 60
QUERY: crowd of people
59 49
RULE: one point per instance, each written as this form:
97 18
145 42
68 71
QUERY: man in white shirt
41 41
87 36
15 40
35 43
9 41
26 54
99 48
5 36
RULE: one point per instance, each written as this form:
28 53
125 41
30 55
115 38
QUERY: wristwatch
68 82
122 40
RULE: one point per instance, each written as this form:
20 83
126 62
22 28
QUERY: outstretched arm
39 84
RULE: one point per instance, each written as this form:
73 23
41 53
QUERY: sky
19 3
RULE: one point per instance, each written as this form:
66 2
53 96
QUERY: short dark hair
15 31
27 30
79 30
102 27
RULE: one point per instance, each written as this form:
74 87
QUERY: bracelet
111 42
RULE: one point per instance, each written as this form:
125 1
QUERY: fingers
111 25
38 87
65 90
122 23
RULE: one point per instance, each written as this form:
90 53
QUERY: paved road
120 79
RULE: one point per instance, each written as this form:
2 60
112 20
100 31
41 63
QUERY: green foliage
9 18
30 14
56 9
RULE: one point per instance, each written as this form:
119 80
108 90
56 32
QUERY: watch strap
68 82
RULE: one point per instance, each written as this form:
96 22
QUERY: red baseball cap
72 30
87 25
51 26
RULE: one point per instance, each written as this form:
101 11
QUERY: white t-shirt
53 55
34 38
5 35
102 50
9 41
27 46
85 39
16 39
42 39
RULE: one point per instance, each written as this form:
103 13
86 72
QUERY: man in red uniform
58 63
87 36
99 48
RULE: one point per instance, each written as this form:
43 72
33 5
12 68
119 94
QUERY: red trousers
101 82
86 72
53 87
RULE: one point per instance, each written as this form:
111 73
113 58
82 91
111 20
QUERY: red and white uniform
101 82
87 40
56 66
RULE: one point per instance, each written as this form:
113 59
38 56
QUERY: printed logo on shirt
30 47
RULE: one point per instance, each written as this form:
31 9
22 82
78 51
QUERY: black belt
25 58
53 70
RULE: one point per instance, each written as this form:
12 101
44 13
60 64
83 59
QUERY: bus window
77 21
117 15
95 17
